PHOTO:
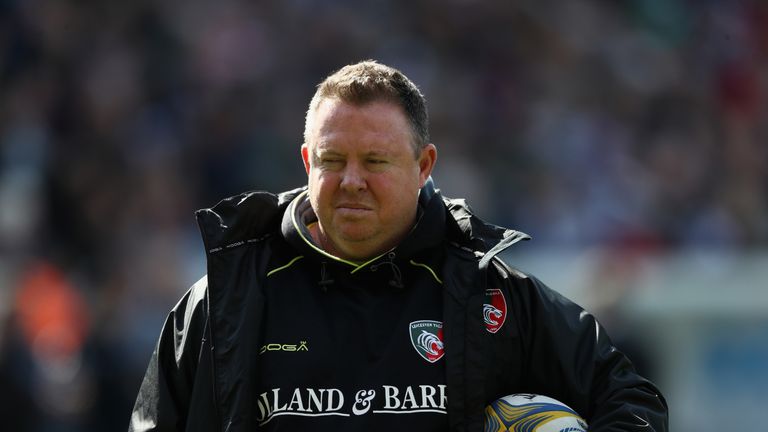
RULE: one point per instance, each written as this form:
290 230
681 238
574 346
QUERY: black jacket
200 376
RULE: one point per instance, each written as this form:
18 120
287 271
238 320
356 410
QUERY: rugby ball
531 413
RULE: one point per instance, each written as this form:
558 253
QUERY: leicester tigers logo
494 310
427 339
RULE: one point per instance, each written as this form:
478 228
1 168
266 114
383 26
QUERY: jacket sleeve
570 357
166 393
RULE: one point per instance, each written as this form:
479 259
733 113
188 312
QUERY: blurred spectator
47 367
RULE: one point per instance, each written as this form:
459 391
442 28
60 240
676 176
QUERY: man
366 301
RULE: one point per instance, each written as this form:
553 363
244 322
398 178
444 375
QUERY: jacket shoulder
507 271
189 317
195 295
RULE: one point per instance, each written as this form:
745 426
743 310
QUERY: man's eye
376 161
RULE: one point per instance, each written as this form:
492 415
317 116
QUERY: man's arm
165 396
571 358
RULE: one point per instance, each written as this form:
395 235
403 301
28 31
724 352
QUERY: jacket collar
469 231
252 216
427 232
243 218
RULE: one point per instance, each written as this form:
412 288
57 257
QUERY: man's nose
353 177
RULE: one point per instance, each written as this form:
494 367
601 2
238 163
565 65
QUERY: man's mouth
352 206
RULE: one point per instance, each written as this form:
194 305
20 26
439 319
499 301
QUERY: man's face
364 179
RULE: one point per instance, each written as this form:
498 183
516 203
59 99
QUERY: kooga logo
301 346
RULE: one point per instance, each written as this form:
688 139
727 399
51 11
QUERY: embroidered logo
301 346
494 310
427 339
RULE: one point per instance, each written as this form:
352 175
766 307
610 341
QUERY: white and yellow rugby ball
531 413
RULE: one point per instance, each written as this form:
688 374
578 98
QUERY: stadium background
628 137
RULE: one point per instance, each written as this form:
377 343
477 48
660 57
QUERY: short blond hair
369 81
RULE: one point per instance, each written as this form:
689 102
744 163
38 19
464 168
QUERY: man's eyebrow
326 152
319 154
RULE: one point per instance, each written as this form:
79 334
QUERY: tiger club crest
427 339
494 310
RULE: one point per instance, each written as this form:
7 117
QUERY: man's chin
355 237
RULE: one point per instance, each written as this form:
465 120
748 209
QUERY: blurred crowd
639 124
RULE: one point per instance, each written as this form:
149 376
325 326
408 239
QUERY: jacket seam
209 326
240 243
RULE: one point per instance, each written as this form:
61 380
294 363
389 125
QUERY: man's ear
305 157
427 160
